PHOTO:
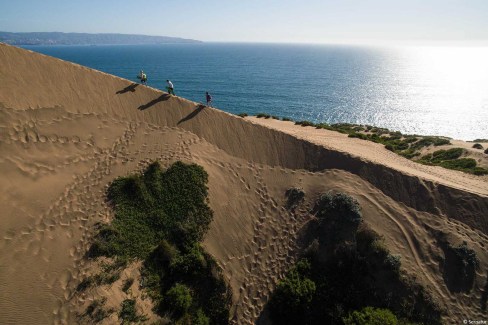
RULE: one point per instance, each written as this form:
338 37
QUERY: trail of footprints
268 261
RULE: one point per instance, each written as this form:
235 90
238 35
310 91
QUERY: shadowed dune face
67 131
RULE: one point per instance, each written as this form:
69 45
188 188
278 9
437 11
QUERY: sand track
63 140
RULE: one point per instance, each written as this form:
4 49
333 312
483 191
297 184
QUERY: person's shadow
197 110
130 88
161 98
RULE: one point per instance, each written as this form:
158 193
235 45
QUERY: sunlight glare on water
443 89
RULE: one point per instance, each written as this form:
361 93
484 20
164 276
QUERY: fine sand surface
67 131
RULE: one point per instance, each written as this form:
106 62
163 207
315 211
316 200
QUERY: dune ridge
67 131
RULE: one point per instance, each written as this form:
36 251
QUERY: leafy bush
371 316
392 262
350 278
441 155
292 296
460 270
86 283
286 119
358 135
305 123
128 311
477 146
339 206
160 218
450 159
260 115
294 196
178 299
200 318
242 115
127 284
486 151
460 164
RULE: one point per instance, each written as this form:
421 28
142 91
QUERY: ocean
415 90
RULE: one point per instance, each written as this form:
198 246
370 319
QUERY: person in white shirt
142 76
171 89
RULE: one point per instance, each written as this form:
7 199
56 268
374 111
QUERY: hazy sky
309 21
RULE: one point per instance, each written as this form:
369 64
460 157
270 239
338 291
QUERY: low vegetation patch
263 115
408 146
451 159
371 316
127 284
161 216
242 115
294 197
128 312
347 275
459 267
95 311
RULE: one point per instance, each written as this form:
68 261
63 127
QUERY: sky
281 21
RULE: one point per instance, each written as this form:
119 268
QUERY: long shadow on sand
192 114
130 88
161 98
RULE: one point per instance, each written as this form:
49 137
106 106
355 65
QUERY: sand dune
67 131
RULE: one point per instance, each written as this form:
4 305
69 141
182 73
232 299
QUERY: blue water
426 90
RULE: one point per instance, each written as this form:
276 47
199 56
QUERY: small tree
371 316
292 297
178 299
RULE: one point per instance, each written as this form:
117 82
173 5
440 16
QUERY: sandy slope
66 131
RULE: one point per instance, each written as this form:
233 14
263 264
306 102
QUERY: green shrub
358 135
274 117
160 218
200 318
127 284
294 196
461 270
371 316
86 283
292 297
392 262
428 141
486 151
178 299
242 115
191 263
477 146
449 154
286 119
339 206
479 171
128 311
304 123
260 115
460 164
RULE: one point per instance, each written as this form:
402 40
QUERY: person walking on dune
171 88
208 98
142 76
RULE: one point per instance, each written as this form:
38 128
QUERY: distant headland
58 38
